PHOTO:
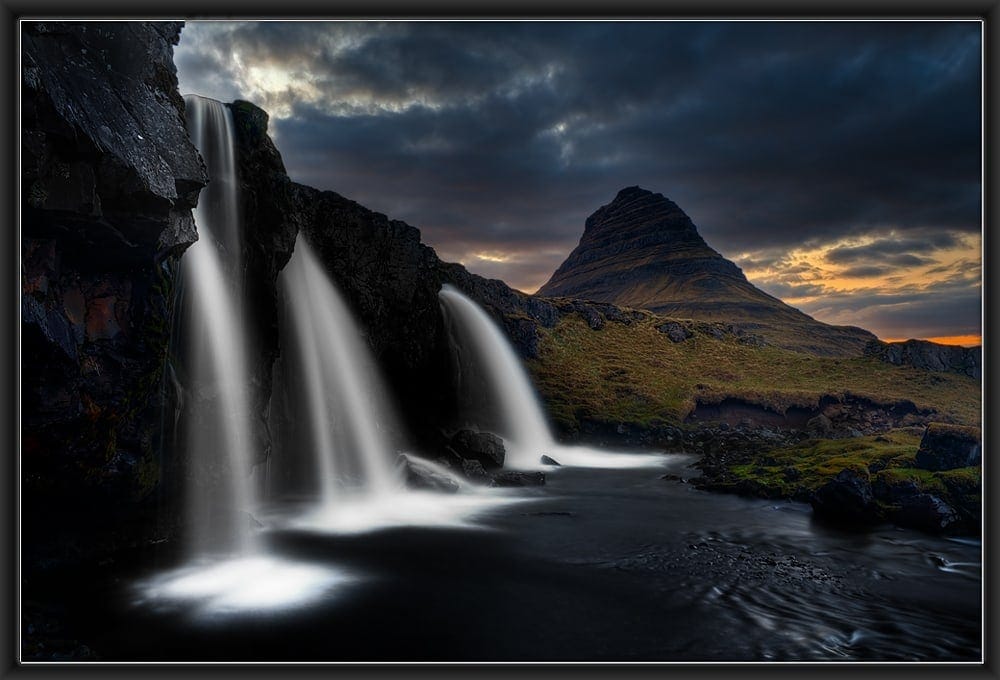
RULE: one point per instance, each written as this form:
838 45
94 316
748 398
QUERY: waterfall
522 425
349 421
486 354
213 354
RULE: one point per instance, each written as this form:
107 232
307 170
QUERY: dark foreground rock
421 474
946 447
518 478
925 512
483 447
109 178
847 498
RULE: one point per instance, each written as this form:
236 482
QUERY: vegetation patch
581 374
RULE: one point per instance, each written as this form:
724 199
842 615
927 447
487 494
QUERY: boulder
485 447
675 331
518 478
474 470
545 460
847 498
423 474
925 512
946 447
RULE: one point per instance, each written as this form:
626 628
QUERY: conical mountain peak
642 251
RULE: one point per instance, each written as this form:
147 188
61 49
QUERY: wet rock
110 177
484 447
545 460
925 512
518 478
474 470
946 447
847 498
421 474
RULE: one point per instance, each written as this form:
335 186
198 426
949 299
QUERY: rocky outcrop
270 222
642 251
847 498
929 356
485 448
109 178
946 447
833 417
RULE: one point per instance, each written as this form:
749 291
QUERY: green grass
635 374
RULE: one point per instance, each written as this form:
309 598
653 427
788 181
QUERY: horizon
838 165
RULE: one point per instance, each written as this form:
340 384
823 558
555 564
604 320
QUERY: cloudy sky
838 163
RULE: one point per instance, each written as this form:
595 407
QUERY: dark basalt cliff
929 356
388 277
642 251
109 179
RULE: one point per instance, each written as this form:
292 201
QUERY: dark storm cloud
896 251
770 135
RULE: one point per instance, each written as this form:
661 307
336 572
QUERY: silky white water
350 420
521 421
220 497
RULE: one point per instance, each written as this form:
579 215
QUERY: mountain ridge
642 250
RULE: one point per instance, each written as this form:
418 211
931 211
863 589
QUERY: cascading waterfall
351 424
484 349
220 495
524 430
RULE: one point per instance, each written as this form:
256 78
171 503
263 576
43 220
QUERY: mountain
642 251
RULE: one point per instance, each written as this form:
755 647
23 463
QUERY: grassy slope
636 374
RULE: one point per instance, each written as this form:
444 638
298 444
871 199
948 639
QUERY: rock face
925 512
642 251
270 224
847 498
929 356
946 447
109 178
483 447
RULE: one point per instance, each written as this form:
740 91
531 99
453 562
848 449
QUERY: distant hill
642 251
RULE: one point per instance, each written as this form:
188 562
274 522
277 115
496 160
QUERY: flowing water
487 363
600 565
351 422
220 497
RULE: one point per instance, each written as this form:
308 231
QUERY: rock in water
846 498
642 251
925 512
474 470
946 447
550 461
484 447
422 474
518 478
